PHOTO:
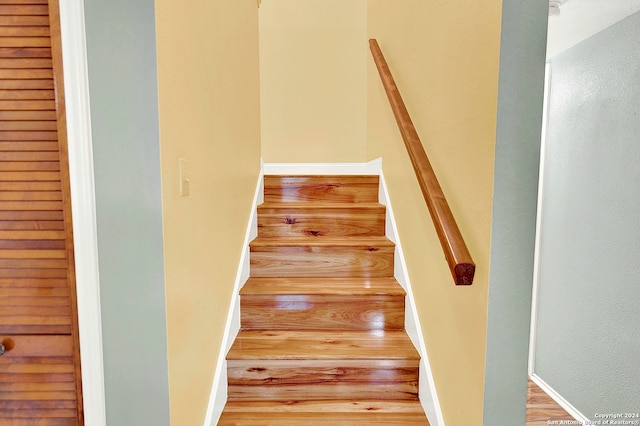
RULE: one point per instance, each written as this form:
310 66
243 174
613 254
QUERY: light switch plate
184 177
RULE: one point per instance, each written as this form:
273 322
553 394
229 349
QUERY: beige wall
313 85
444 57
208 81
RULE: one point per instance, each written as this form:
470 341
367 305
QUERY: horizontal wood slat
39 329
32 225
33 263
32 254
32 244
41 320
33 273
24 52
22 95
30 177
38 420
30 215
32 116
22 105
30 282
24 2
26 74
30 205
30 413
23 20
24 31
24 9
24 41
32 235
38 365
36 405
32 195
28 146
27 125
36 311
42 84
36 301
40 166
28 136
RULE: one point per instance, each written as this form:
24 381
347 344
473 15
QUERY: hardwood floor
541 407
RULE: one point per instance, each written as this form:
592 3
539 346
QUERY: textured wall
124 117
588 319
312 80
208 81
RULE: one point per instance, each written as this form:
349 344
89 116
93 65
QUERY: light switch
184 177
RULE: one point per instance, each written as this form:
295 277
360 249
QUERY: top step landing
321 188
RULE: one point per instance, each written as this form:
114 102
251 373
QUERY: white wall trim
427 388
371 168
83 208
218 396
573 412
533 327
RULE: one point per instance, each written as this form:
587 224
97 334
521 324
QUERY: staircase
322 339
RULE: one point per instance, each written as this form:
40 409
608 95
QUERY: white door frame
83 208
536 257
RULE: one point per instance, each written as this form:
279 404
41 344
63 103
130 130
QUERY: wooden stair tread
322 345
329 412
317 406
259 242
322 286
321 206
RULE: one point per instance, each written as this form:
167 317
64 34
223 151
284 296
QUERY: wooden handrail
455 250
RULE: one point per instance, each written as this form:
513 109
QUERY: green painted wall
124 118
517 154
588 318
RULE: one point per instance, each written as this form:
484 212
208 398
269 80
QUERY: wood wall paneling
40 369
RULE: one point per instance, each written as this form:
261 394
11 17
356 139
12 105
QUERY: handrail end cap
464 273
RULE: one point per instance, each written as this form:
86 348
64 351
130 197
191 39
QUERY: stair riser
343 189
322 311
296 380
321 261
322 419
296 224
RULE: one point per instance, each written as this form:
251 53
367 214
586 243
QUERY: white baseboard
371 168
573 412
427 390
218 397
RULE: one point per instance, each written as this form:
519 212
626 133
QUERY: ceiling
580 19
